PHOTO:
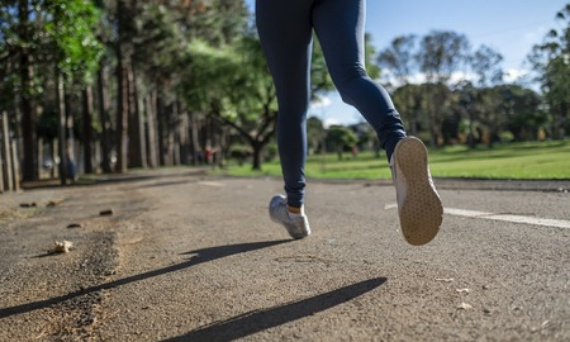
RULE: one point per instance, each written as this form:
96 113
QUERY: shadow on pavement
259 320
113 179
201 256
170 183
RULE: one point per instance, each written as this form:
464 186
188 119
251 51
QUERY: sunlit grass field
533 160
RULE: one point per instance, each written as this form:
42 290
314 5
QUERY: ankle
296 210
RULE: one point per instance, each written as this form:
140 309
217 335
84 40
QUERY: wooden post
1 158
1 172
7 165
15 167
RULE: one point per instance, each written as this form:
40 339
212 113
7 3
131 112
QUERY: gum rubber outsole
421 214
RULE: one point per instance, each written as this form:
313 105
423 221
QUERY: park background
129 85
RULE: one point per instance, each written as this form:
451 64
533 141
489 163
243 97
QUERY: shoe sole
422 211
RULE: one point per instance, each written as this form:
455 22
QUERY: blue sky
511 27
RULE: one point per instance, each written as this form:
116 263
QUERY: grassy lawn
534 160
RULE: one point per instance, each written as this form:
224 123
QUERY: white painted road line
509 218
501 217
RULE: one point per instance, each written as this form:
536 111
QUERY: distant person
286 30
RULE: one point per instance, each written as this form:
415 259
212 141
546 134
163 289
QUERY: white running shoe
297 226
419 205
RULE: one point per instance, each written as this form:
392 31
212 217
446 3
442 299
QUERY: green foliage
340 138
320 78
72 28
398 58
551 60
529 160
315 133
485 63
440 54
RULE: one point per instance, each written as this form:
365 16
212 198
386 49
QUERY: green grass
532 160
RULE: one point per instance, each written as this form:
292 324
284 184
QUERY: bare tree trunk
54 156
40 156
195 141
184 139
87 129
175 133
257 155
7 160
61 129
104 118
122 94
15 167
26 101
1 172
122 121
70 146
161 127
136 134
151 129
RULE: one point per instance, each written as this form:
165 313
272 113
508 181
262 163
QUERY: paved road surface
191 258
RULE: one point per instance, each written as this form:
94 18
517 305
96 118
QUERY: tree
551 60
315 133
485 62
340 138
408 99
521 109
44 36
440 56
399 59
233 85
21 43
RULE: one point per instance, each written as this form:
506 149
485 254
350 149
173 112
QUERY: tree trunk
40 154
61 129
257 154
171 130
15 166
87 96
183 133
1 171
562 121
175 132
195 141
54 156
471 138
103 93
7 160
26 103
161 127
70 146
122 94
137 156
122 121
151 129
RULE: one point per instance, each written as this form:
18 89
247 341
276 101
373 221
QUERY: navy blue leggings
286 29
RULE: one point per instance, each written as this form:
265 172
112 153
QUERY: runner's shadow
256 321
199 257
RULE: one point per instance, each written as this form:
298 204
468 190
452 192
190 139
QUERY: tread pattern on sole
421 213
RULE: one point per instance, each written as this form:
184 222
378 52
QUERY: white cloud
331 122
320 103
513 75
420 78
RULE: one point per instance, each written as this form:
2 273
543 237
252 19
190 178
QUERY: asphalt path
187 257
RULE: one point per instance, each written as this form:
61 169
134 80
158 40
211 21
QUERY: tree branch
232 124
